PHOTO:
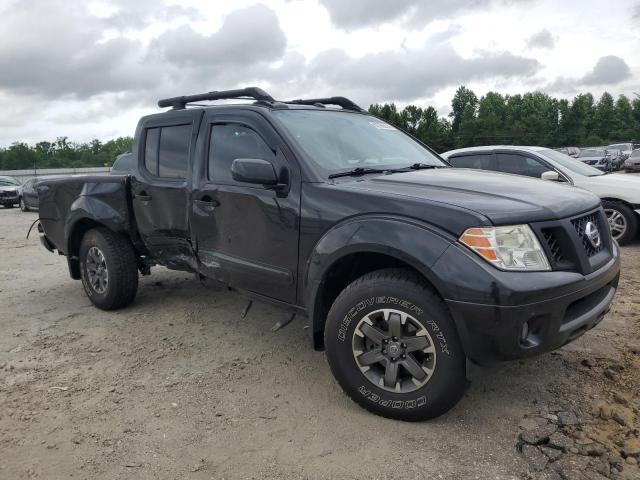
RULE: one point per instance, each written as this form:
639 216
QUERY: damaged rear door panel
161 186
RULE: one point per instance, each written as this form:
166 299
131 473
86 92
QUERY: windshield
344 141
635 154
570 163
592 152
5 181
620 146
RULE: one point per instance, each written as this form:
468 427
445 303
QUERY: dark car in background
28 196
9 187
616 158
123 165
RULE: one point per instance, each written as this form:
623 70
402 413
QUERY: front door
245 235
160 185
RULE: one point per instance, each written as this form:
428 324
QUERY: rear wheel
623 221
108 268
393 347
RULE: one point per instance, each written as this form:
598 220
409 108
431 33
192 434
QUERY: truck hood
502 198
9 188
614 185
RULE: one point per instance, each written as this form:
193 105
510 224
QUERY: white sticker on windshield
382 126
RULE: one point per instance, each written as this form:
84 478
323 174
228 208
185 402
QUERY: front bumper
9 200
557 307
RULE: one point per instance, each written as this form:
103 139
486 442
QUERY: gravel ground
178 385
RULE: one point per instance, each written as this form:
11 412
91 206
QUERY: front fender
415 243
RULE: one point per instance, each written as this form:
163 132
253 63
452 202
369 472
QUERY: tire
8 205
622 220
400 292
23 206
103 250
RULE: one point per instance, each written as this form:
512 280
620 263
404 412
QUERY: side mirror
551 176
253 170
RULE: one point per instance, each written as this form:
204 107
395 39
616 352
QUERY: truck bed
63 201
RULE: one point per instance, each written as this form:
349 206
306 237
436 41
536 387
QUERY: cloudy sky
88 69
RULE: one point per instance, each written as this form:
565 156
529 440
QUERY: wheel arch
363 248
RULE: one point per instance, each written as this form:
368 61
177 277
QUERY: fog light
524 333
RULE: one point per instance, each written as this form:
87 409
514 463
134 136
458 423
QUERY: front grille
580 224
554 245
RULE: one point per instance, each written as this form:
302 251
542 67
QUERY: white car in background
620 193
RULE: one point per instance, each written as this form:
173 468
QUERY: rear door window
151 150
166 152
480 161
518 164
173 156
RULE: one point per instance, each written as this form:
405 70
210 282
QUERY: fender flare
410 241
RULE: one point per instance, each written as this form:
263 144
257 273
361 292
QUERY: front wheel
393 347
623 221
108 268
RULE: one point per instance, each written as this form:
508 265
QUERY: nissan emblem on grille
592 234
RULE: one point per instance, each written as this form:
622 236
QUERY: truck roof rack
339 101
179 103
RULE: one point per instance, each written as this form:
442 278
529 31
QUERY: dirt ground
178 385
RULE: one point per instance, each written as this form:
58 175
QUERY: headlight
507 248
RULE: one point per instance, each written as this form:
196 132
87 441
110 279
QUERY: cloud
62 51
59 51
410 74
251 34
354 14
608 70
541 39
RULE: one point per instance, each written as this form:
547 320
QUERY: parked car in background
9 187
596 157
625 149
620 193
28 196
123 165
632 164
616 158
571 151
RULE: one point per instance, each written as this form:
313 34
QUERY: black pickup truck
407 269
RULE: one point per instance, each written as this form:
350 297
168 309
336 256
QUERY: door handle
143 198
208 204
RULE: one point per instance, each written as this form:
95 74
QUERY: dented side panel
66 201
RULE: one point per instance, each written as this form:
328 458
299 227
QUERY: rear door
246 235
161 185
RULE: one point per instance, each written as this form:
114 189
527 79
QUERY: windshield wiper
423 166
363 171
357 171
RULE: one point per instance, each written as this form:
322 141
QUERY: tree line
533 118
63 154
